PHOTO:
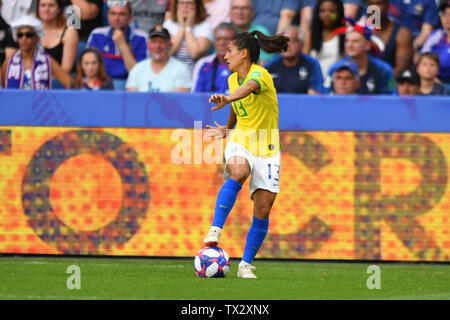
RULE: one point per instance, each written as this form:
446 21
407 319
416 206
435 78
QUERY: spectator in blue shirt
439 43
268 12
120 45
302 11
345 78
295 72
376 75
397 39
211 72
419 16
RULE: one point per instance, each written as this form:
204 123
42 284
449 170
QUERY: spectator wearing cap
419 16
408 82
7 44
30 68
428 68
296 72
439 43
120 45
160 72
211 72
397 39
345 78
376 75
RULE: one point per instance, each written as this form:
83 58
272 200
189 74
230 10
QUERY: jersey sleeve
260 76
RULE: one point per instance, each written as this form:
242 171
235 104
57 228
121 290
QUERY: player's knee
239 177
262 212
239 174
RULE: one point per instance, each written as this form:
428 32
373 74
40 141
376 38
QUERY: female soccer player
254 146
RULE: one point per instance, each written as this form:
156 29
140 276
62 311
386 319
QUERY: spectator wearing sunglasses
30 67
120 45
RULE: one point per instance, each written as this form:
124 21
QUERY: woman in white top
320 42
218 11
191 34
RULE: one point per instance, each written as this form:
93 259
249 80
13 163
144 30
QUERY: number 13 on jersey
239 109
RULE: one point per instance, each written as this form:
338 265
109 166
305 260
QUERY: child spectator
439 43
428 68
91 73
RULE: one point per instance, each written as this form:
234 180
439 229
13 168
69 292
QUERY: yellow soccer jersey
256 114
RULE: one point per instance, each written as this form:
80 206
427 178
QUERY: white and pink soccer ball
212 263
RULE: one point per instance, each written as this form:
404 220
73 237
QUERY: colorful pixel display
118 191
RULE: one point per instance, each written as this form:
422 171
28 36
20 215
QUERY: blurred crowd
337 47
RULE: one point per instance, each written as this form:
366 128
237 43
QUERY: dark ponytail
246 40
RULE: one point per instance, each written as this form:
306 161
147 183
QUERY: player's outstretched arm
221 131
222 100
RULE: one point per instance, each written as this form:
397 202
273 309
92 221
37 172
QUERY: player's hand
218 131
220 100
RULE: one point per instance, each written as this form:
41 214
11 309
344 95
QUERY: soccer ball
212 263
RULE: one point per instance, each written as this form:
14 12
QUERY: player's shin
255 238
225 202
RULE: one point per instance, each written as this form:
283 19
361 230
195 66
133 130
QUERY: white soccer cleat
212 239
246 272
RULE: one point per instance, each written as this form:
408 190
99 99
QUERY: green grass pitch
33 277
